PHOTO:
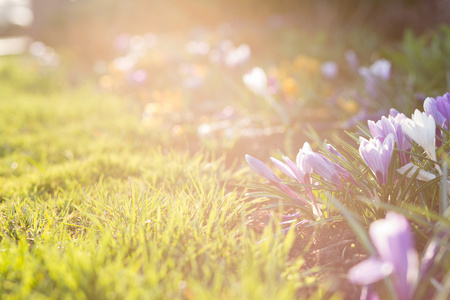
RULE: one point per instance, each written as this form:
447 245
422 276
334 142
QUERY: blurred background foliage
147 52
88 26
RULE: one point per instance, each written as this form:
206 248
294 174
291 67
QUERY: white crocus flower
256 81
422 129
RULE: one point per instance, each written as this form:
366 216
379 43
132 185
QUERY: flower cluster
390 135
307 162
399 149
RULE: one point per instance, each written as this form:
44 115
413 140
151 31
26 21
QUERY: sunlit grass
93 208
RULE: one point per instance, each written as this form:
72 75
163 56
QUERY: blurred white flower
373 76
238 55
381 68
124 63
256 81
197 47
225 45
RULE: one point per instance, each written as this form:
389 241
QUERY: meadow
205 166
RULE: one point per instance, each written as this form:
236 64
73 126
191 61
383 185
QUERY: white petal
422 175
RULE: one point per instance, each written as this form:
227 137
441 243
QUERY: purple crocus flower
431 108
402 142
373 76
290 169
396 257
378 156
264 171
299 171
381 128
392 124
329 69
442 104
327 169
439 108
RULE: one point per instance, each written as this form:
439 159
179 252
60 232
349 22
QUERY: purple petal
393 112
443 105
394 242
322 167
381 128
283 167
369 271
431 107
300 175
261 169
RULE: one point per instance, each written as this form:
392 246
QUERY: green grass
93 207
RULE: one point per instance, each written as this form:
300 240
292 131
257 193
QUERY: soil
335 248
332 248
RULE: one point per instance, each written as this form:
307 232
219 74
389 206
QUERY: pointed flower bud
264 171
261 169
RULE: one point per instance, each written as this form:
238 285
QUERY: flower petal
283 167
261 169
369 271
422 175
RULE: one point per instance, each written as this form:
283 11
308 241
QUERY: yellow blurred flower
348 105
290 86
177 130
